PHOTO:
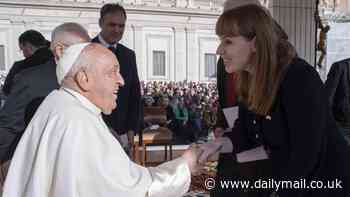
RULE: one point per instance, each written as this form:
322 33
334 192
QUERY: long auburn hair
258 88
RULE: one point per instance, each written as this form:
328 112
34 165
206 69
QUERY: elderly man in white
68 151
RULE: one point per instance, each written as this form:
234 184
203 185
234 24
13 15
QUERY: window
158 63
210 65
2 58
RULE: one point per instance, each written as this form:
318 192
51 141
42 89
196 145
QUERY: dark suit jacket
221 85
30 85
41 56
221 81
222 78
299 134
338 91
127 114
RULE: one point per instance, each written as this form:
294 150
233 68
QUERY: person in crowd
164 101
170 116
126 120
181 112
68 150
35 49
338 91
284 116
174 125
187 129
195 120
193 93
207 117
31 87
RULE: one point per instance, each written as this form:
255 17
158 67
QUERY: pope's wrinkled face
237 52
106 82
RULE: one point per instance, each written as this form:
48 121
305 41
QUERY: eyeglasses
58 44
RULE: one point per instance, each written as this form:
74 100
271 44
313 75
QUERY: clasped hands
197 154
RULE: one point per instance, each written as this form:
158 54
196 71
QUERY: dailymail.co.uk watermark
210 184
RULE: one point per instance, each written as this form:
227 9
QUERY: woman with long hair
283 108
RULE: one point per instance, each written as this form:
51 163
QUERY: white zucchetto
69 57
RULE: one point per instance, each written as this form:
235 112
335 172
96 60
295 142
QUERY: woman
283 106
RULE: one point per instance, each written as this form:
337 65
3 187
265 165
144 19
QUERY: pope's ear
58 50
82 80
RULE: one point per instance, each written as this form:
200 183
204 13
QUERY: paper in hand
254 154
231 114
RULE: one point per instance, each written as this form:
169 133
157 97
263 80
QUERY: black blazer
338 91
30 85
299 134
127 114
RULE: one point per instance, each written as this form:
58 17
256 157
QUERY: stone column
192 55
13 50
179 72
137 31
297 19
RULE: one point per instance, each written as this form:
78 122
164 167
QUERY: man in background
338 90
127 117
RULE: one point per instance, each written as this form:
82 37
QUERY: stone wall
338 43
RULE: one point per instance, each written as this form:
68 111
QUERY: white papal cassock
68 151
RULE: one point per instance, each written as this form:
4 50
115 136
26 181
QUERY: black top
299 134
40 56
30 87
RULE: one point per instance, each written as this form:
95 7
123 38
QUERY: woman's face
237 52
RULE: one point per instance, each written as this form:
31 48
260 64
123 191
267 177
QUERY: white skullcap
69 57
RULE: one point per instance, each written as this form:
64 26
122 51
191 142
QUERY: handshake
197 154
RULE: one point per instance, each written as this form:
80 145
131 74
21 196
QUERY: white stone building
173 39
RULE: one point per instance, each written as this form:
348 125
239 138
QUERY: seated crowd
190 107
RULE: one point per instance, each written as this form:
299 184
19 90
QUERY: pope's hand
191 155
219 145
